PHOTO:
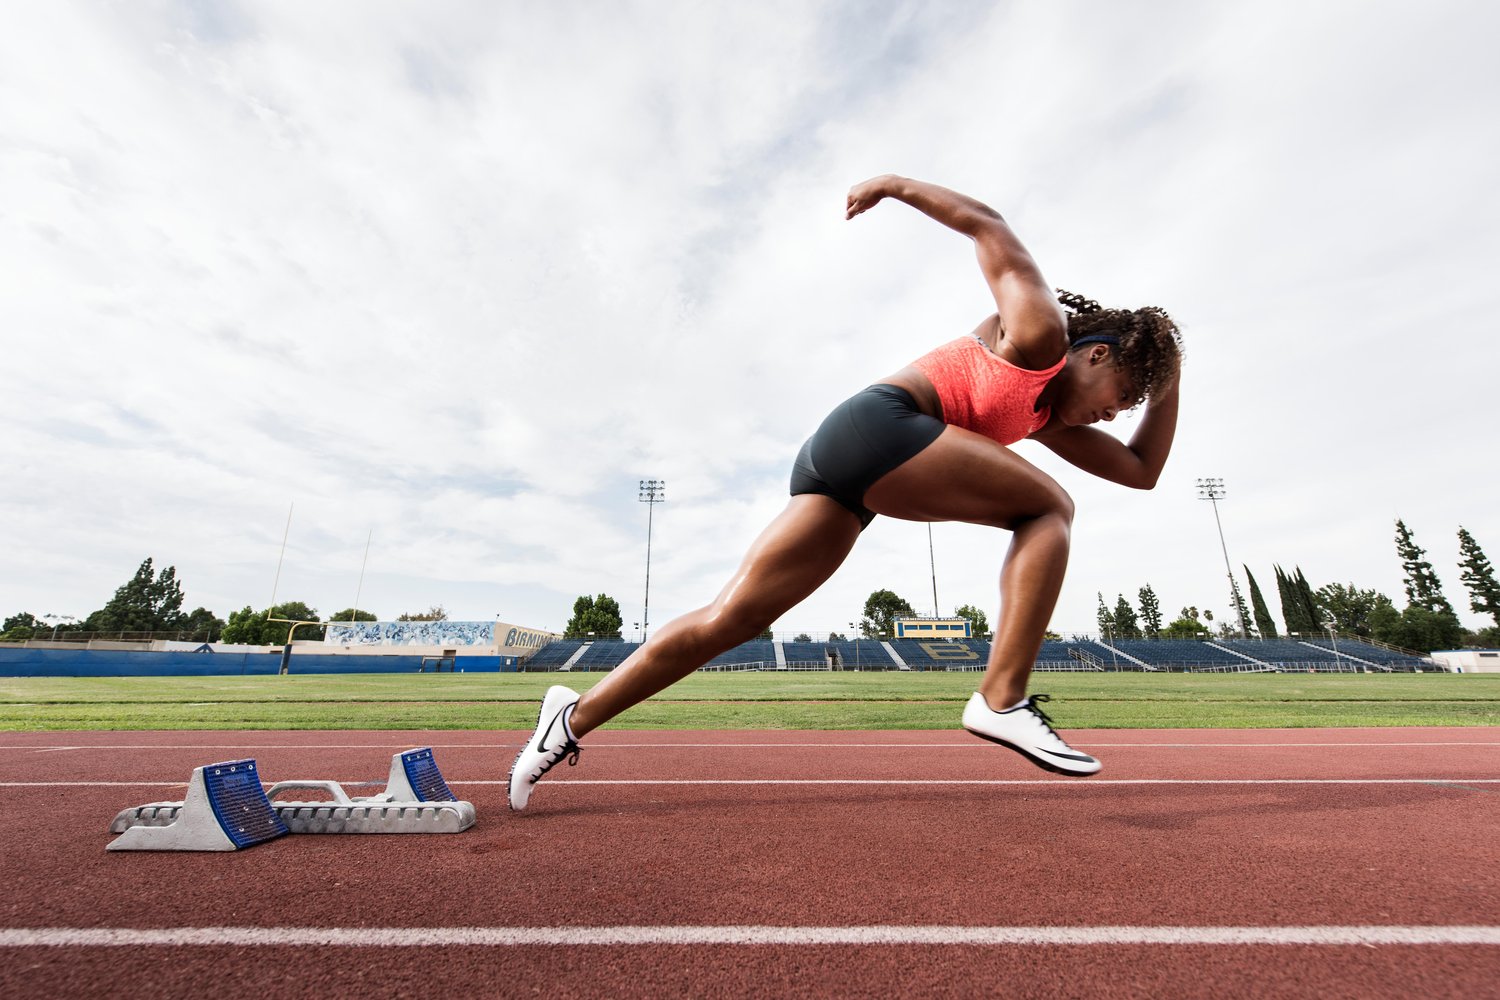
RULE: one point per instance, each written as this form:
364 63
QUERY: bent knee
1054 505
1064 507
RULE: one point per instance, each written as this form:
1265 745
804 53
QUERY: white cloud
461 275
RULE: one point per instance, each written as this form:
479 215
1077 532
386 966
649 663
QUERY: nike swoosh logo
1064 756
541 747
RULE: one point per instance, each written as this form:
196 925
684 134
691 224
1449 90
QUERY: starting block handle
331 787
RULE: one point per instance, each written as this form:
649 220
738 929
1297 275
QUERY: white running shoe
551 742
1027 730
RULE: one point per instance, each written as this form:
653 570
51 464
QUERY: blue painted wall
22 662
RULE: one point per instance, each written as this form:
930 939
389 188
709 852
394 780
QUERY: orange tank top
982 392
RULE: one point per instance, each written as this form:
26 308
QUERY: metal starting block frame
416 800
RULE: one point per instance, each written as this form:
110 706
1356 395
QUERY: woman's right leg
965 477
801 549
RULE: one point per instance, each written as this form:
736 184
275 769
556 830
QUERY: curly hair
1150 347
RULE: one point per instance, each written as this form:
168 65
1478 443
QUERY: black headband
1097 338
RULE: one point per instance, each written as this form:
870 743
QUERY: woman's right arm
1029 312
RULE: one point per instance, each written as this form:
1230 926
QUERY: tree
255 628
19 628
1479 577
837 637
1423 588
767 636
1385 622
1126 625
1351 610
147 602
1264 623
1241 613
1428 621
1297 606
1308 598
1424 630
1150 611
978 623
882 608
1105 617
599 615
202 625
802 637
1187 625
436 613
351 615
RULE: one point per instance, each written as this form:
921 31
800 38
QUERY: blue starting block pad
415 778
416 800
226 809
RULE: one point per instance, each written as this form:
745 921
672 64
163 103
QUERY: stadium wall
465 638
22 662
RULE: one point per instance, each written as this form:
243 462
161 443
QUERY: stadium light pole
652 492
932 562
57 624
1213 491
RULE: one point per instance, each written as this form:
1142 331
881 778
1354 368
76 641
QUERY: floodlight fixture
1212 490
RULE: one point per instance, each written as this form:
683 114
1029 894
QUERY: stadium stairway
895 656
1244 656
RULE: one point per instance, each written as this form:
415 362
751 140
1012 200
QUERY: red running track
677 832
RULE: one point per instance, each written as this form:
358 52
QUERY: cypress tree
1126 625
1264 623
1240 611
1308 602
1422 586
1105 618
1292 610
1150 611
1479 576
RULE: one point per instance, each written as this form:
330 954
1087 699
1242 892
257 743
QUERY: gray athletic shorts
865 437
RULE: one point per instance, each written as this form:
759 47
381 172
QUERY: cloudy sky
456 276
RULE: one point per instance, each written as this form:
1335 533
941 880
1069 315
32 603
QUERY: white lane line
1063 782
967 745
1058 782
407 937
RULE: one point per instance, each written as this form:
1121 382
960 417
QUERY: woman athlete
930 444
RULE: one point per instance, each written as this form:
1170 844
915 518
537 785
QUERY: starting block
226 809
416 800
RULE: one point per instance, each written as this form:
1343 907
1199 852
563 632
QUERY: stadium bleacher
1087 651
943 654
1181 654
861 654
1286 653
805 653
1370 653
605 654
1076 653
553 655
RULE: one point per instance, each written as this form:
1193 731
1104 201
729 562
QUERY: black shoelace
1036 710
570 750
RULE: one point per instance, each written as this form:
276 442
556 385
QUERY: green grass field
746 701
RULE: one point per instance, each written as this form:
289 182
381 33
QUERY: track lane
1083 854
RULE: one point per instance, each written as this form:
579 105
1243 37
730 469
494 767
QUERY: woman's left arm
1137 464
